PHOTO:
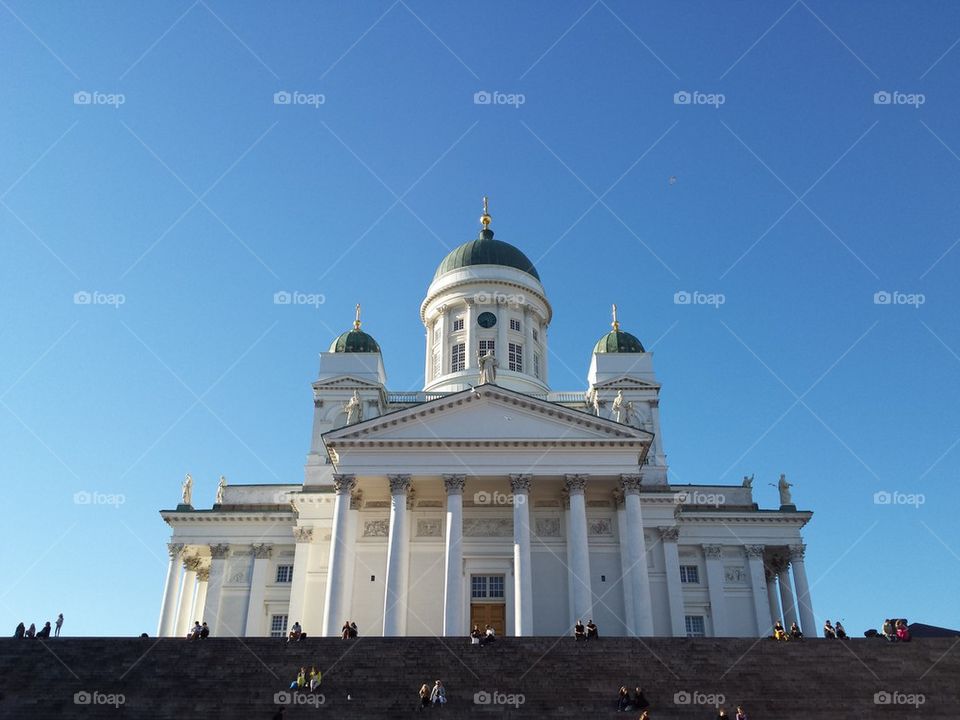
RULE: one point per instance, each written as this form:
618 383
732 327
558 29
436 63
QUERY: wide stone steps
556 677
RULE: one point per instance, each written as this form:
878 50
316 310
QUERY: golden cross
615 323
356 322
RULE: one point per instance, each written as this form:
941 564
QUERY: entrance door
487 602
484 614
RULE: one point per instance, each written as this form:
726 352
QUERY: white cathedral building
486 498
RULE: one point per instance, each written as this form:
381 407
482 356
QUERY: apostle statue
784 487
187 490
622 409
592 400
488 367
748 481
354 409
220 486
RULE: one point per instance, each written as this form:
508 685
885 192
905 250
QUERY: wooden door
484 614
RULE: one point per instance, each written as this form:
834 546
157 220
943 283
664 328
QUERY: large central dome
486 251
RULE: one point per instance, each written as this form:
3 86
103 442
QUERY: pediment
487 416
344 382
626 382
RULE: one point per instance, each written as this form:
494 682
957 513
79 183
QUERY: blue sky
182 188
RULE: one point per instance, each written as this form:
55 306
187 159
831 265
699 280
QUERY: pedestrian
59 624
438 696
424 696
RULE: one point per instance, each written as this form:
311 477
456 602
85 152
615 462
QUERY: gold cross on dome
356 322
615 323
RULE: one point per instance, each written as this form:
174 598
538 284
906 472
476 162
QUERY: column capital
618 497
203 574
575 484
779 564
713 552
174 550
630 483
262 551
754 551
520 482
797 552
669 533
356 500
191 564
219 551
454 484
303 534
399 484
343 484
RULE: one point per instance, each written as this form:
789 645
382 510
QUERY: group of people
306 680
482 637
834 632
780 634
588 632
896 630
722 714
435 697
198 631
628 703
22 631
349 630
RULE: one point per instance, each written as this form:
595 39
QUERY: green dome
354 341
618 341
486 251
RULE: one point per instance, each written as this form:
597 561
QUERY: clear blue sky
798 198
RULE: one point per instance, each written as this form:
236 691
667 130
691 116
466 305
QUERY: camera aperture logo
95 97
695 497
498 698
895 497
94 497
895 97
295 297
885 297
695 697
899 698
483 97
695 297
499 298
95 697
296 97
95 297
483 497
695 97
285 697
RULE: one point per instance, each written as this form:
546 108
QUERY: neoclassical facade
487 497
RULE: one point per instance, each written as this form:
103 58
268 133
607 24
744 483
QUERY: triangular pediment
344 382
489 414
626 382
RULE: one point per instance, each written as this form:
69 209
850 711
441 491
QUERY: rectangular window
278 626
695 626
514 324
488 345
478 586
436 363
515 357
487 587
536 335
690 574
536 365
458 357
458 324
284 573
496 586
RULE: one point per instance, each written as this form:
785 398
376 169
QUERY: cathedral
487 497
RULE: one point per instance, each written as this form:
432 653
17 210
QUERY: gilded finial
356 322
485 218
615 323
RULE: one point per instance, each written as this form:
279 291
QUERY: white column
718 606
571 619
579 570
453 621
470 325
503 324
787 602
639 575
196 614
256 607
218 570
758 588
168 609
807 623
395 601
522 570
335 606
627 587
528 344
298 585
772 599
185 606
671 558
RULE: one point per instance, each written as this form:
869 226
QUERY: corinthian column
807 623
256 609
168 610
334 607
522 571
303 535
579 573
218 569
185 606
718 609
758 589
453 571
637 547
671 556
627 587
395 600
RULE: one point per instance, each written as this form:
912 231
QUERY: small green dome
618 341
355 341
486 251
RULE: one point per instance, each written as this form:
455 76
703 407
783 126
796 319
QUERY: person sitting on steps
593 632
354 633
345 630
828 632
204 631
20 631
889 632
579 631
489 636
778 632
639 700
45 631
903 633
315 678
296 632
741 713
424 697
475 635
795 633
438 696
301 680
841 633
194 633
623 699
